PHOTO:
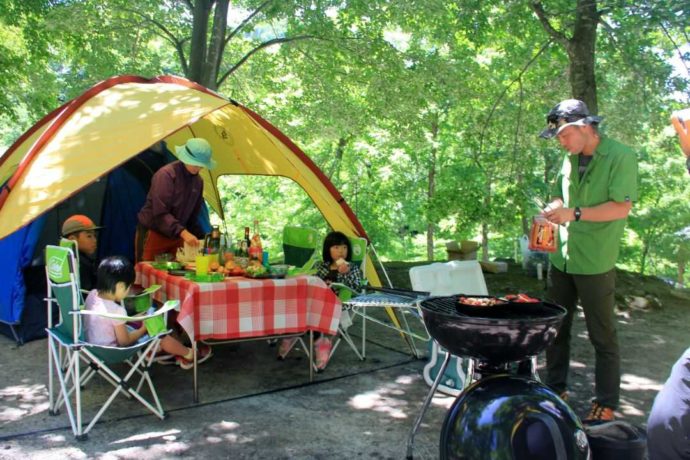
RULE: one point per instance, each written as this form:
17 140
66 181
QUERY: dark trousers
596 294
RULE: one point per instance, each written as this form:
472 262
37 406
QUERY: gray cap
567 113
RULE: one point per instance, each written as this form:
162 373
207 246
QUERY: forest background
424 114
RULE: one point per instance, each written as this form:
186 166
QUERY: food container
280 269
543 236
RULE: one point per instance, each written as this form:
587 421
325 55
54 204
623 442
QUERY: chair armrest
166 307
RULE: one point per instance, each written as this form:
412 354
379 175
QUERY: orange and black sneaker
600 413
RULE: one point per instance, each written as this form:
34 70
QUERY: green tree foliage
424 114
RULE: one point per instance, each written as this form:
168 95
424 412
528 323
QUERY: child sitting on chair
114 277
335 268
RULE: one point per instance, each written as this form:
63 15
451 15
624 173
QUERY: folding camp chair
300 246
345 293
68 335
359 248
399 303
442 279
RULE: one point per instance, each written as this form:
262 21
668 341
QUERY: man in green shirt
592 197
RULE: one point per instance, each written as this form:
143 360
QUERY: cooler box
443 279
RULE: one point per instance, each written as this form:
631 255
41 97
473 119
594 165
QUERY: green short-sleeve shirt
590 248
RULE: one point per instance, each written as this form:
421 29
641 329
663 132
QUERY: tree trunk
430 192
209 77
334 169
197 54
485 221
580 48
581 54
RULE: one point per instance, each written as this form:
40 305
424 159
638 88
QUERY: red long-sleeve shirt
173 201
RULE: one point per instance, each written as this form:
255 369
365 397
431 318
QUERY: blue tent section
16 252
113 201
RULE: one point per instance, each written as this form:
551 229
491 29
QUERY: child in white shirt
114 277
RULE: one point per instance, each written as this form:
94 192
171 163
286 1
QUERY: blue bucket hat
567 113
196 152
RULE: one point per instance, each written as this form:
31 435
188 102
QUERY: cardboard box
466 250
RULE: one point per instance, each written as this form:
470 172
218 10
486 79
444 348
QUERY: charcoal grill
495 337
492 335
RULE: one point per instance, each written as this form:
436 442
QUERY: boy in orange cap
82 230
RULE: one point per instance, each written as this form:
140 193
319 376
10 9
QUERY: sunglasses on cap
555 122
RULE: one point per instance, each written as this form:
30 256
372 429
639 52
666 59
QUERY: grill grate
445 305
375 299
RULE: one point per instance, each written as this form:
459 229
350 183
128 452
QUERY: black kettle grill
506 413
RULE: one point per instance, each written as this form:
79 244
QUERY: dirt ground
653 324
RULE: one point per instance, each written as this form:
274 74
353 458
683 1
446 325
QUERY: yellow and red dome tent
113 121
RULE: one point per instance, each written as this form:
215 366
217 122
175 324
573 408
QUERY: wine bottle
247 242
255 249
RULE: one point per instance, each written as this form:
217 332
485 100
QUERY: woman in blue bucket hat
170 214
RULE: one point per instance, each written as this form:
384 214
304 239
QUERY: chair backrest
63 286
456 277
74 247
359 252
300 245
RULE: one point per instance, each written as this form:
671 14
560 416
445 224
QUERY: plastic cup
202 264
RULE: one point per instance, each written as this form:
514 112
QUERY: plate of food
476 303
256 271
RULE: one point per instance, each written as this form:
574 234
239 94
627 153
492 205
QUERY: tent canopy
93 134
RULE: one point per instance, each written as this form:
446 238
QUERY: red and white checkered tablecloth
244 308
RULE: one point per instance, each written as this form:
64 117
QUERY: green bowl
166 265
138 303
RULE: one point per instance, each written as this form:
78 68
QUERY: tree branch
498 100
246 20
166 35
236 30
263 45
538 8
675 45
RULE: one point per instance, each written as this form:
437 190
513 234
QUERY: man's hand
560 215
681 121
189 238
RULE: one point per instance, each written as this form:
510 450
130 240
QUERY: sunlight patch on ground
151 451
150 435
221 428
19 401
657 340
630 382
442 400
577 364
383 399
630 410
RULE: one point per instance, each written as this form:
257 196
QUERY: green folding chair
301 246
69 336
344 292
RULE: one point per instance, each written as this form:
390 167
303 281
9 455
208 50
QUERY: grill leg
425 406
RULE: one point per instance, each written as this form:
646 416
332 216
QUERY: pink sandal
323 352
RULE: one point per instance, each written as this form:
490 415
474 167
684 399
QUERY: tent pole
383 269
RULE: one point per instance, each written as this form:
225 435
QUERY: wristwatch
578 213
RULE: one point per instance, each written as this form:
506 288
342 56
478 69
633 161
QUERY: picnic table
239 308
